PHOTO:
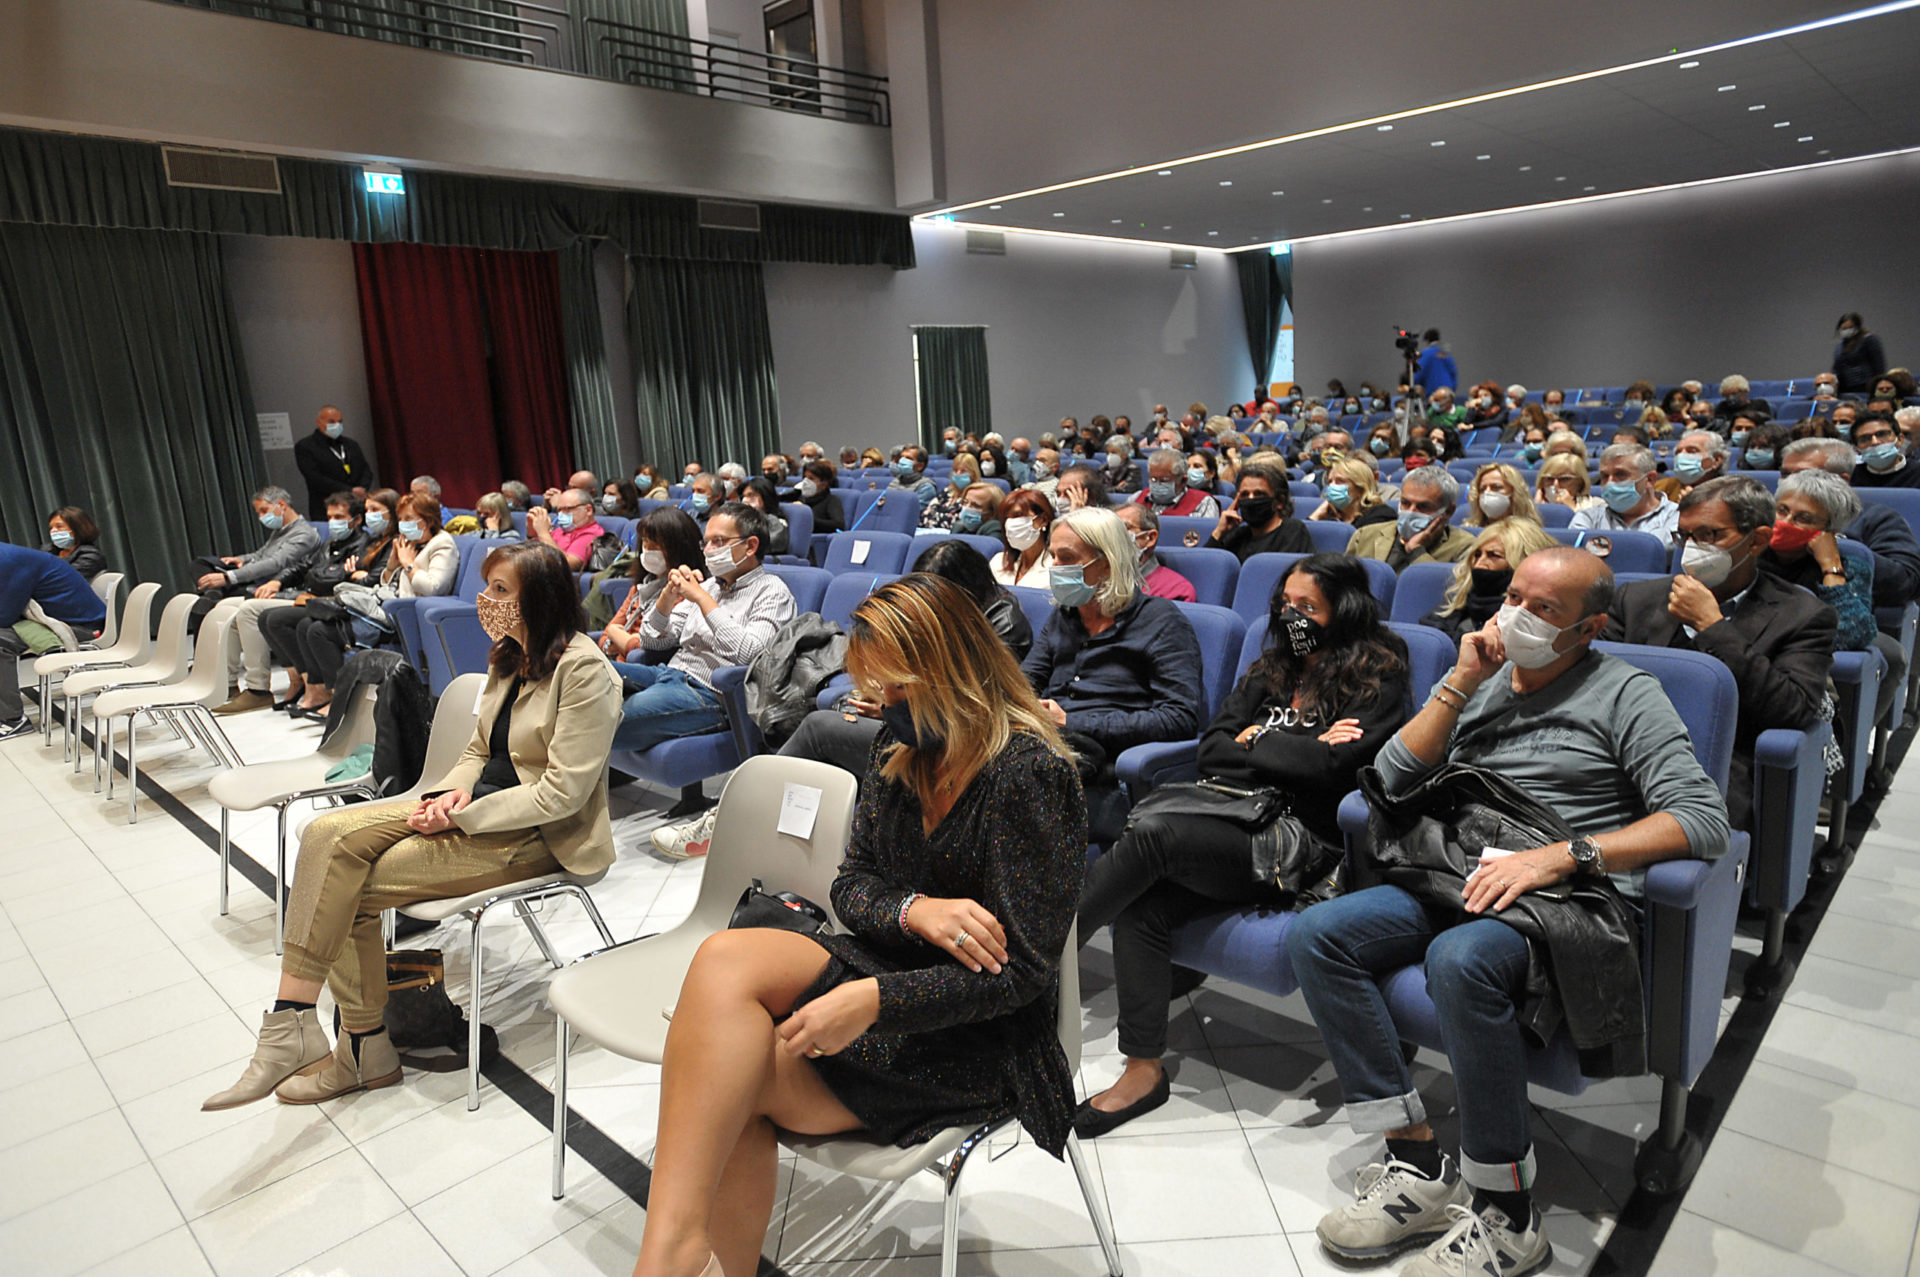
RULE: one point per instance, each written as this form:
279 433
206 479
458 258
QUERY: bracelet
1464 698
1440 694
906 905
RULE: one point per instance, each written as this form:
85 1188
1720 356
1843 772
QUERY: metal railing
550 37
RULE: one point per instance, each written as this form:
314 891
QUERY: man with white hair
1516 397
1907 420
732 476
1630 501
811 451
1424 532
1442 410
1167 493
1699 456
1736 399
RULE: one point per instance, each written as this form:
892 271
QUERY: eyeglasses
720 545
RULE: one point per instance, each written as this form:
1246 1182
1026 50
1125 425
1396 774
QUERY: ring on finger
815 1051
961 939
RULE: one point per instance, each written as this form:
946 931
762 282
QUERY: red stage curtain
464 366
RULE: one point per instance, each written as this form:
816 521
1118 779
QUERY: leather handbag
784 910
420 1015
1286 856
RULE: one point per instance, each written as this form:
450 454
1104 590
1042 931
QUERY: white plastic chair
947 1153
182 703
614 998
167 662
282 784
133 628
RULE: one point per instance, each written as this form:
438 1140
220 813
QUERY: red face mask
1415 462
1788 537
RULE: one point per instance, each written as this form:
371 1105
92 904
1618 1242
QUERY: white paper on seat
860 549
797 809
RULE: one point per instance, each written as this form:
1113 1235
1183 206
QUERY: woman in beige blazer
528 797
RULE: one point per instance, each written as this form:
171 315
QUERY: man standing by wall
330 462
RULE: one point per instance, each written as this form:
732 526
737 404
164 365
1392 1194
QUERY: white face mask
1022 533
1495 504
609 504
809 489
987 467
1529 639
653 562
720 562
1707 564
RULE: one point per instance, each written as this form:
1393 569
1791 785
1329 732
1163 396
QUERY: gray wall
298 315
1072 329
1744 277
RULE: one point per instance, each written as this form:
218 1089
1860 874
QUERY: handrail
549 37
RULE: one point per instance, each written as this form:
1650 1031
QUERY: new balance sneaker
684 842
1394 1206
1485 1244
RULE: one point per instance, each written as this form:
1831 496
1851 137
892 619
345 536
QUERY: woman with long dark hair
528 797
1858 358
74 536
1327 693
668 538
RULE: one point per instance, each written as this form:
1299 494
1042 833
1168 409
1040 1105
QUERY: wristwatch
1585 851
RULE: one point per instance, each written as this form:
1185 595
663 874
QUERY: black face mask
1488 581
898 717
1304 635
1256 510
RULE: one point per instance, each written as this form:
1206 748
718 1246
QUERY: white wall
1746 277
1072 329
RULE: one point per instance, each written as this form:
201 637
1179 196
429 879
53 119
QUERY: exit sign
385 181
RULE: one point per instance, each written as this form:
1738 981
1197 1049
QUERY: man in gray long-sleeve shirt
1598 742
292 546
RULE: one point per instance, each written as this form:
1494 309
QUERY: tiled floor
125 999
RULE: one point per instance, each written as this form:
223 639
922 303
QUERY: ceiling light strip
1078 235
1858 15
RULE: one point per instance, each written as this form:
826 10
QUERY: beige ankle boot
378 1066
291 1042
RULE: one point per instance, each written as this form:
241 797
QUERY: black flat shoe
290 704
1091 1123
310 715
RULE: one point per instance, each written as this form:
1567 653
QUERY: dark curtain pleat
122 391
1260 294
420 24
702 361
69 180
665 65
952 371
522 294
593 426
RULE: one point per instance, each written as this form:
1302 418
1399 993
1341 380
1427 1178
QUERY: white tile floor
125 999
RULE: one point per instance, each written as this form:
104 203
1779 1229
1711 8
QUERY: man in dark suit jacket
330 462
1775 637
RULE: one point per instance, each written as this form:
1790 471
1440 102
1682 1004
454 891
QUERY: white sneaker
1394 1207
22 728
1485 1244
684 842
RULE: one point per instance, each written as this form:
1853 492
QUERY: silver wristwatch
1585 851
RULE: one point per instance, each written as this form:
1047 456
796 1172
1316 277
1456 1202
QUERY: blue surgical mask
951 446
701 502
1196 478
1687 466
376 522
339 529
1412 523
1338 494
563 520
1620 497
1069 585
1162 491
271 521
409 529
1739 438
1881 456
1532 451
1759 458
961 479
903 468
1844 428
899 718
969 520
62 539
335 430
1380 447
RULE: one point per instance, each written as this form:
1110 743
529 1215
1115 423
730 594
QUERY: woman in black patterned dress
938 1007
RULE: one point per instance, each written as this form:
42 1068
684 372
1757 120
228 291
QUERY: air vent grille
1183 258
222 170
729 215
993 243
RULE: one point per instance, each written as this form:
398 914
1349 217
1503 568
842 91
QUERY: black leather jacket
1583 936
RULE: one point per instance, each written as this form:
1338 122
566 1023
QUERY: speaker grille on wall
991 242
729 215
221 170
1183 258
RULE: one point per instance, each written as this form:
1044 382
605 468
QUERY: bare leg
317 696
723 1079
294 989
296 682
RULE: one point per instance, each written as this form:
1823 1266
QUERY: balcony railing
554 38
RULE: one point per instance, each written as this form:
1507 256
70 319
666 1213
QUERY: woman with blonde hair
1480 580
936 1007
1655 423
1497 492
1562 480
1565 441
1352 495
945 507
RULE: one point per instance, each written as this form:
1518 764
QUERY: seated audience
651 484
1081 487
939 514
1352 495
1485 411
1259 519
528 797
731 475
1169 492
1564 443
1423 531
1026 519
1442 410
74 536
621 499
496 518
1653 424
31 577
725 618
1314 709
704 496
758 492
1777 640
1115 667
1203 474
1531 417
1677 403
1763 446
567 523
1383 441
1883 456
1496 493
1736 396
927 1011
1156 578
668 539
1607 753
773 468
1810 509
291 543
1896 551
519 496
1629 501
1122 476
815 491
1480 580
425 485
873 459
1841 420
979 513
910 475
1700 455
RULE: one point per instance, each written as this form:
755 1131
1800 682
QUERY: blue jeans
668 704
1476 972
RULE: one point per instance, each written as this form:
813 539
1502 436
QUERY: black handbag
1286 856
784 910
420 1015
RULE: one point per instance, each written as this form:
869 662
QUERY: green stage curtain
1261 291
951 362
66 180
702 363
122 391
594 429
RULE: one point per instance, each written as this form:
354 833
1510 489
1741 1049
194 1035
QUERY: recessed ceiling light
1759 106
1587 188
1059 214
1226 183
1213 232
1405 216
1688 66
1807 138
1384 128
1526 168
1326 201
1436 144
993 206
1366 208
1781 124
1483 157
1116 221
1726 88
1559 179
1823 152
1166 228
1279 192
1166 172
